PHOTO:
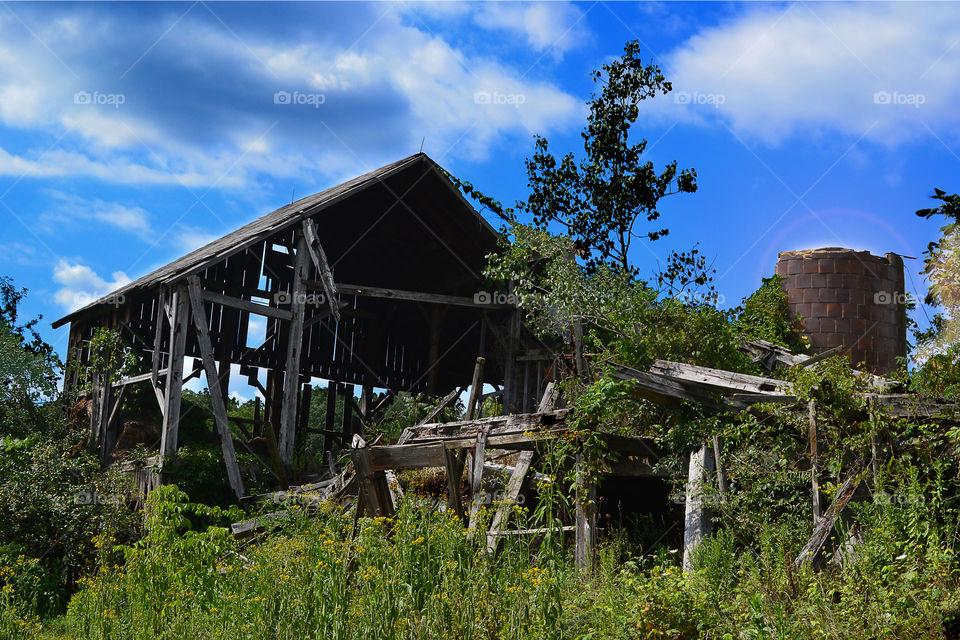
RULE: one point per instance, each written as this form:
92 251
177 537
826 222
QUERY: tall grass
417 575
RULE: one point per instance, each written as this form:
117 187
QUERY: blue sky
133 133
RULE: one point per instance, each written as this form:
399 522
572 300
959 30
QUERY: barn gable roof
277 221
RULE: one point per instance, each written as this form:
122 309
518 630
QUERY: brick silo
849 298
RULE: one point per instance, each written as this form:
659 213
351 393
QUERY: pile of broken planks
471 446
668 382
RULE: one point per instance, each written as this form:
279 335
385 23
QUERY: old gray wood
217 401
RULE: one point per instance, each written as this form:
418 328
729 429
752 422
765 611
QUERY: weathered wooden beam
330 416
511 493
246 305
180 310
550 396
476 477
373 487
444 403
718 461
813 551
217 401
143 377
476 388
814 462
726 382
907 405
585 543
696 516
319 259
410 296
660 388
410 456
517 422
291 379
453 461
156 356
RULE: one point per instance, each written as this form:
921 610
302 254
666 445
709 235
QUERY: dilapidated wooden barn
373 284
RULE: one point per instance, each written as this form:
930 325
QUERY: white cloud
69 209
824 68
547 26
82 285
172 123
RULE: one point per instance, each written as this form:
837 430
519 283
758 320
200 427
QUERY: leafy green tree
942 268
601 198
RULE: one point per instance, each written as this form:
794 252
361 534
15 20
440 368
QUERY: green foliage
941 266
624 319
599 198
416 575
766 316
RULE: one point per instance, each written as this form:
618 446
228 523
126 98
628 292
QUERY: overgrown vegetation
67 533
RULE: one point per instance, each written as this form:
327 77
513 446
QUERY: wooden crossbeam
143 377
217 401
319 259
409 296
246 305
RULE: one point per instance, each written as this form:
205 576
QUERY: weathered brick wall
849 298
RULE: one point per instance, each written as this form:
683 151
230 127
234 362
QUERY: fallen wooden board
813 551
497 425
726 382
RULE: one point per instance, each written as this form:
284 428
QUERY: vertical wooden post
718 459
303 413
180 306
586 515
476 476
105 408
696 516
257 423
328 437
476 388
814 461
366 402
94 438
217 401
291 380
347 412
373 487
454 467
